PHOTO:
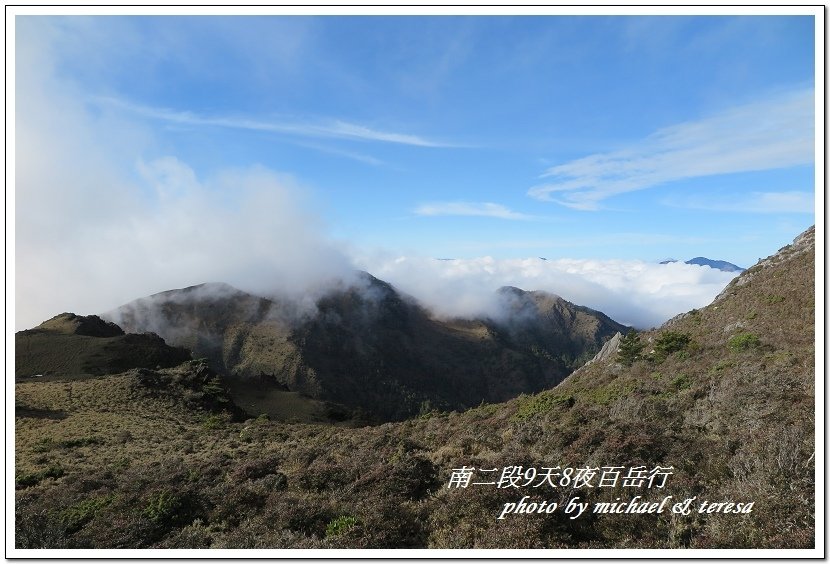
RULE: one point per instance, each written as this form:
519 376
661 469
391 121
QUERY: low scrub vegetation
157 459
542 403
340 525
744 342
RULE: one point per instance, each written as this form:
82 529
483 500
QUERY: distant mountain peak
703 261
716 264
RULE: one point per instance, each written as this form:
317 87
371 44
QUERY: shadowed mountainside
370 348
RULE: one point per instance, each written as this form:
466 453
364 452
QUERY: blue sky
593 137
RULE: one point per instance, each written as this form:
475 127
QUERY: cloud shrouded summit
630 292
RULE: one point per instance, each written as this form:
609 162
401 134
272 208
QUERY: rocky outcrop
608 350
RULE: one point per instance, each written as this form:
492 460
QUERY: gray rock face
609 349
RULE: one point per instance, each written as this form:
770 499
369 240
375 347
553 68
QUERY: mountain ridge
71 345
369 346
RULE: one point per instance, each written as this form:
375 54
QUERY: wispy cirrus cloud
756 202
332 129
360 157
481 209
777 132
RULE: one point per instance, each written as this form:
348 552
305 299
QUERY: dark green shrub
163 508
542 403
27 479
744 342
721 365
681 382
213 387
76 516
44 444
213 422
48 443
630 348
31 478
340 525
672 341
605 395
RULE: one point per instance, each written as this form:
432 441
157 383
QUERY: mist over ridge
636 293
371 348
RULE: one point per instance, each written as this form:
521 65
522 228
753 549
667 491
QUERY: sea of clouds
631 292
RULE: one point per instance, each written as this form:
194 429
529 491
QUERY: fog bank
631 292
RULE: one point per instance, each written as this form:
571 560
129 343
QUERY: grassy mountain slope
72 345
724 395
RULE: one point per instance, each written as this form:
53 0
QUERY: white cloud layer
483 209
632 292
774 133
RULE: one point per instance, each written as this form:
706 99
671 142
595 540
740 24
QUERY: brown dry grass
116 466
